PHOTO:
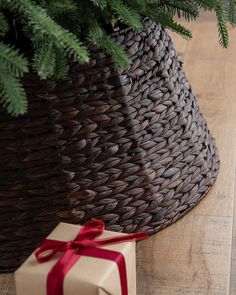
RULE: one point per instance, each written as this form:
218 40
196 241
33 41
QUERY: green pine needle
185 9
100 3
231 9
98 37
4 27
222 27
126 14
43 24
61 66
12 60
44 60
170 23
54 8
13 96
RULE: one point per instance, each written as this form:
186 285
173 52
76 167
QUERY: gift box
76 260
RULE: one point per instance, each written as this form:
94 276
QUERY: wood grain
7 284
193 256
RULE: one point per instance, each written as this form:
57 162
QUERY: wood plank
7 284
233 253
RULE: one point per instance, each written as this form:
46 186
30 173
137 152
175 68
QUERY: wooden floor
197 255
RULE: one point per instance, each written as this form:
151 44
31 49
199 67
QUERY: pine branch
207 4
12 60
98 37
61 66
55 8
222 28
167 21
13 97
138 5
231 11
100 3
44 60
186 9
4 27
43 24
126 14
12 67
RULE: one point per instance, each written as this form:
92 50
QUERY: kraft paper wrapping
89 275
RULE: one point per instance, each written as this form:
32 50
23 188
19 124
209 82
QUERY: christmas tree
45 34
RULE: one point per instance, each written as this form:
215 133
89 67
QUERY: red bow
84 244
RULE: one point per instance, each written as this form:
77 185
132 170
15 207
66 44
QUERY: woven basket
130 148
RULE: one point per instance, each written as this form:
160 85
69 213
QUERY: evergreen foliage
53 31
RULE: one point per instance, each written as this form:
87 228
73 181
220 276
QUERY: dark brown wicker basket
130 148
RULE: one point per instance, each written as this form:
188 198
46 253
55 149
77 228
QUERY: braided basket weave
130 148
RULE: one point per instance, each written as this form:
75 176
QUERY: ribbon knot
87 244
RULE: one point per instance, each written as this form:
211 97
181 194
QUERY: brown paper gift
89 275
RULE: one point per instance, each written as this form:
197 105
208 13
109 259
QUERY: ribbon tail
56 276
115 256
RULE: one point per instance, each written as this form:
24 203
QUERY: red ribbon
84 244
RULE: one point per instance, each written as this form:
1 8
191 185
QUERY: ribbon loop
86 244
